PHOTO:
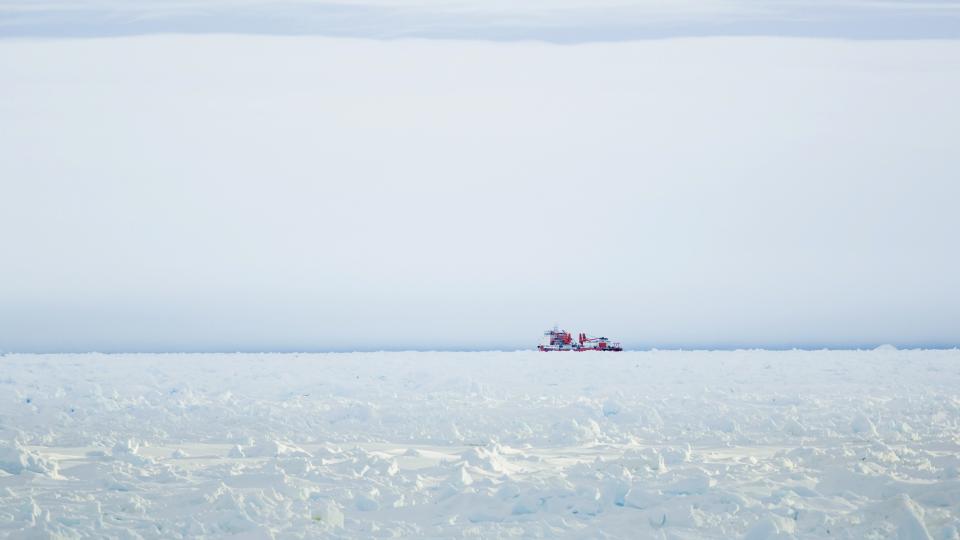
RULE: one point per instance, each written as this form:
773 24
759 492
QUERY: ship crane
592 343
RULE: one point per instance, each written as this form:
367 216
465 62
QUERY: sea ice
660 444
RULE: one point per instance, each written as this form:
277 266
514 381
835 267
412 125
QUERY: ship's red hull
585 349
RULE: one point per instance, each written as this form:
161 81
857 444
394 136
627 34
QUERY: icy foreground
744 444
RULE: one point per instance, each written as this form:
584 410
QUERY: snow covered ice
661 444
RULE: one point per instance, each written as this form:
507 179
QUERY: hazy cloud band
562 21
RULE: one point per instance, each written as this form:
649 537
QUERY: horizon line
806 348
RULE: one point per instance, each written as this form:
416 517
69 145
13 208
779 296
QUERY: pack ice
660 444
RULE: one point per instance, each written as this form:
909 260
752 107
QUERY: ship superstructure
557 339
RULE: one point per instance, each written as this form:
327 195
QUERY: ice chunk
12 458
270 449
863 425
17 459
487 458
910 520
638 497
611 408
328 513
126 446
462 477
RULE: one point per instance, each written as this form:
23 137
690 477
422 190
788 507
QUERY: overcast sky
285 193
565 21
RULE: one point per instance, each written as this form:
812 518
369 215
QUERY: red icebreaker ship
561 340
